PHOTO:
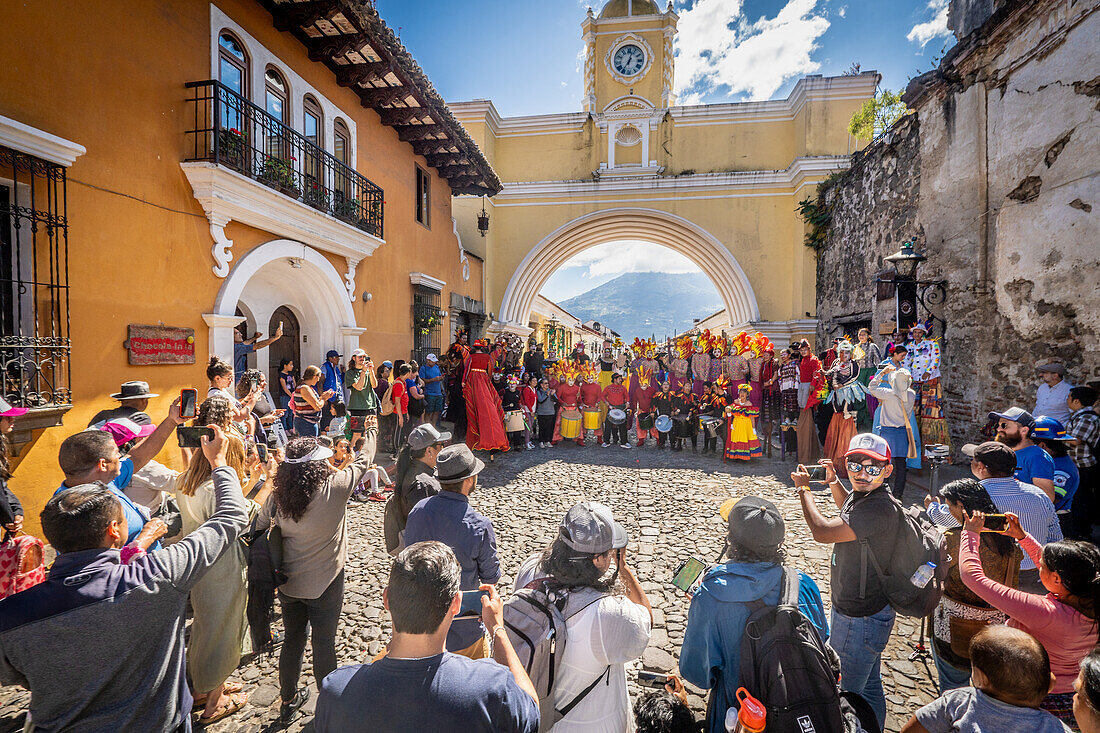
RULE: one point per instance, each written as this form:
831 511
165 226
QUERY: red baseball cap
870 445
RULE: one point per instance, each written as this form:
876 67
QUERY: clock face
629 60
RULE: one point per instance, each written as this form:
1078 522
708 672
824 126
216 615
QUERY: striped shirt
1026 501
1083 425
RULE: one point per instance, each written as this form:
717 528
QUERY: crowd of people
258 517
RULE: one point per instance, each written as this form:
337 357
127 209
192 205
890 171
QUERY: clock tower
628 53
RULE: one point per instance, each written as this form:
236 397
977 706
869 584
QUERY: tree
877 115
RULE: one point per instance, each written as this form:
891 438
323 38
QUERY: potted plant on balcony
317 196
231 145
346 209
279 174
372 223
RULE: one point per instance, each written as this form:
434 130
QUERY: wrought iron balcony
231 131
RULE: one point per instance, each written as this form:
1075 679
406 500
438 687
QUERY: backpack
265 575
786 666
535 619
918 542
386 406
22 563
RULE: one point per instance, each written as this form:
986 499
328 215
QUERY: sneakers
288 711
606 445
625 445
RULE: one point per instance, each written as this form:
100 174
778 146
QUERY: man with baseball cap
727 596
1033 465
870 517
415 480
993 464
448 517
1050 397
432 376
334 380
612 626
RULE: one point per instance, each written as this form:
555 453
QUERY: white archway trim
648 225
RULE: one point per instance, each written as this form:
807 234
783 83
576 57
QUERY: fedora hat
133 391
457 463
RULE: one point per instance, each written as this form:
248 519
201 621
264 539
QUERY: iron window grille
427 323
34 282
229 130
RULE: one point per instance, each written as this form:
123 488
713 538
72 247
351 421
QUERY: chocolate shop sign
160 345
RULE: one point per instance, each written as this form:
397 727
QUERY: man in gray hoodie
100 643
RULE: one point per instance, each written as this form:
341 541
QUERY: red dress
484 416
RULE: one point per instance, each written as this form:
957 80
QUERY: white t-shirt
612 632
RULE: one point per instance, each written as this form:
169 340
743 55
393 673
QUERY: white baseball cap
432 357
870 445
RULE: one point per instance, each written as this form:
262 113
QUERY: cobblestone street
668 503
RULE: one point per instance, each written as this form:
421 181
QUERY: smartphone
189 402
652 679
261 449
471 603
688 572
817 473
191 437
995 523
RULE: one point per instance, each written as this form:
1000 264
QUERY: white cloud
922 33
719 46
842 11
615 258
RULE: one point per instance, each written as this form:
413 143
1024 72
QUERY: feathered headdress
683 347
644 377
460 332
482 343
759 344
722 383
588 372
741 342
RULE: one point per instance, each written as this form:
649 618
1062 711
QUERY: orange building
196 167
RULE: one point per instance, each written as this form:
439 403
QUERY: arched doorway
648 225
288 347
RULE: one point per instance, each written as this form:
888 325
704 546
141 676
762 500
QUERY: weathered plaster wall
1002 194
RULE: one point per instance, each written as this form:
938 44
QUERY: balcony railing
231 131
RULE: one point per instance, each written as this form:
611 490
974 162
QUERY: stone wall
996 174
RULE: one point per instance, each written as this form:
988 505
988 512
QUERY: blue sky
524 55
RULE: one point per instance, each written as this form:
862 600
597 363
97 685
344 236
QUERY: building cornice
419 278
39 143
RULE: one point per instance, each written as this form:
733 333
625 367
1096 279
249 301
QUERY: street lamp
906 261
483 219
908 290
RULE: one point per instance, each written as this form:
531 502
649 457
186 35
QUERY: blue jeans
950 676
306 429
288 416
859 643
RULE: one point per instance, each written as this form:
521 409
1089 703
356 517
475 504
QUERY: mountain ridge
647 304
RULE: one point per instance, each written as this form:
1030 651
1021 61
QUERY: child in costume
510 401
741 441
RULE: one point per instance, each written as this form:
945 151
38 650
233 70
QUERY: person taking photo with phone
862 618
727 596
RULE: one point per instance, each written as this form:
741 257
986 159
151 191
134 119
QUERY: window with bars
423 196
34 282
427 323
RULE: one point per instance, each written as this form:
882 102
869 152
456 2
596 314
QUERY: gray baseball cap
588 527
424 435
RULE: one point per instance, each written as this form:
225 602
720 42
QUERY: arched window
341 149
313 129
276 100
233 73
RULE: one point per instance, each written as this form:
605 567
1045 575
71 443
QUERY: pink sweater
1066 634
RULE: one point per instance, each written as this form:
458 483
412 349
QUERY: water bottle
749 718
923 575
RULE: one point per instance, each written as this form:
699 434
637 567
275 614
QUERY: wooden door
288 347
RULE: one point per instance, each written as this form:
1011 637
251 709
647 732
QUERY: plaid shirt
1083 425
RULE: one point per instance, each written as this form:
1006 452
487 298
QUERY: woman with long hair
961 613
1086 700
220 597
308 404
1064 620
220 374
309 505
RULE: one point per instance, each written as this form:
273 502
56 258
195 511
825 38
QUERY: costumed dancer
606 364
578 356
735 367
717 354
569 394
895 418
867 355
528 400
455 360
510 402
788 385
923 363
713 406
771 411
685 413
741 441
812 390
700 363
678 367
757 345
615 398
662 407
641 404
846 393
484 415
591 394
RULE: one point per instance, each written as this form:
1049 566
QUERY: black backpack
786 666
918 542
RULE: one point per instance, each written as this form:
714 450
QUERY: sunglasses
872 470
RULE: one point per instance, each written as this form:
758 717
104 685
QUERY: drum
591 419
570 424
712 426
663 423
645 422
681 426
615 416
513 421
